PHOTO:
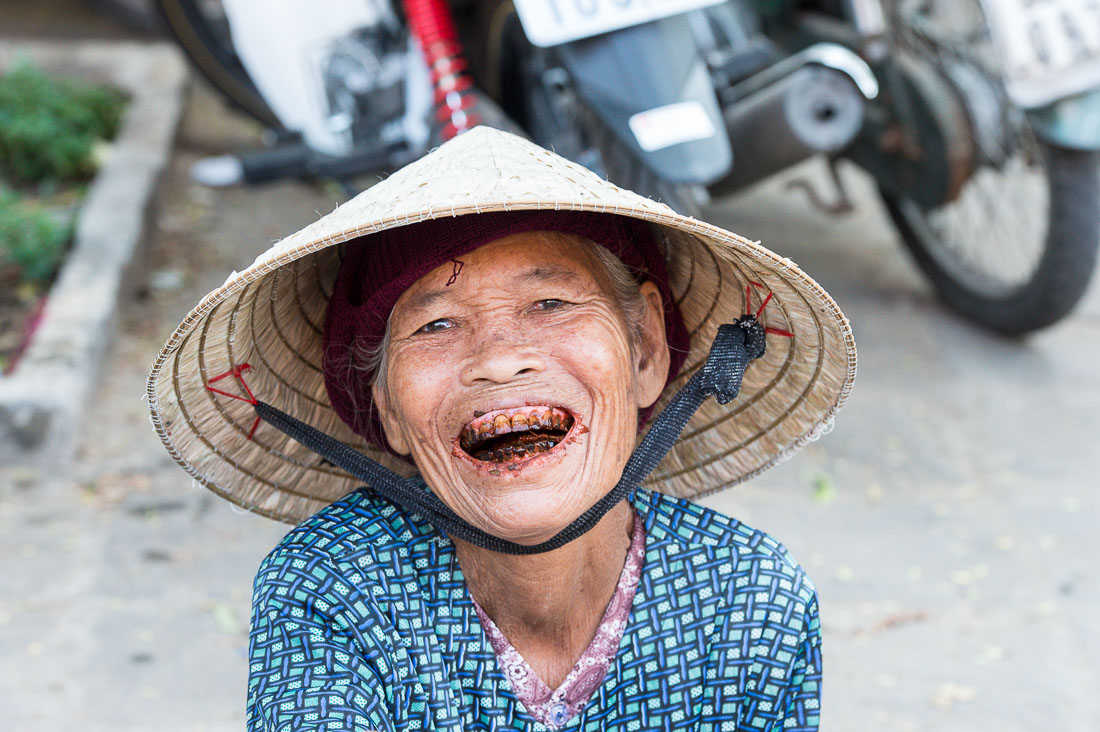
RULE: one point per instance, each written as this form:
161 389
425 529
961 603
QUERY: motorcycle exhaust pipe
289 160
809 103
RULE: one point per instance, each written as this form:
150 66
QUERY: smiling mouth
516 434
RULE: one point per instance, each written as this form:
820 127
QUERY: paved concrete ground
956 554
949 521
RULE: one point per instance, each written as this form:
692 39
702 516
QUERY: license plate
656 129
553 22
1050 48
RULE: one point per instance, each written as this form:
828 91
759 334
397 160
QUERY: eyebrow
540 275
532 276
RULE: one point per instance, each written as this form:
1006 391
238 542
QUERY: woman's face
516 388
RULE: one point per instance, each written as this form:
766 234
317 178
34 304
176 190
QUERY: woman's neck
549 605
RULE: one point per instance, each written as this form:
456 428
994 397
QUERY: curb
41 403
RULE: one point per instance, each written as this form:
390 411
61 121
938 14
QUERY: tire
1068 258
136 14
1012 265
514 73
204 37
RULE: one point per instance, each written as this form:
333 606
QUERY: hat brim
271 317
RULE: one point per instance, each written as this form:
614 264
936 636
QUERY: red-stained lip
516 436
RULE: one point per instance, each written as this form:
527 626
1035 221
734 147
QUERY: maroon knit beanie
377 268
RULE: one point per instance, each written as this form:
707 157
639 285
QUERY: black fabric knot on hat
734 346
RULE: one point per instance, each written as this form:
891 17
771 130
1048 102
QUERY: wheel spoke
993 232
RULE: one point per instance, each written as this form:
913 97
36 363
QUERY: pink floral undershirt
556 707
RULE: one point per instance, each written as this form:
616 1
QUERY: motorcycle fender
650 85
1073 122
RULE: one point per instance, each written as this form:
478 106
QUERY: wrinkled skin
530 321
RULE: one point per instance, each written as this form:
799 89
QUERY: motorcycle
978 119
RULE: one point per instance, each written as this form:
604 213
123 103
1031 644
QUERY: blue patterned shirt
362 621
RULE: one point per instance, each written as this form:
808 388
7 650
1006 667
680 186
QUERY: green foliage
824 489
49 127
30 240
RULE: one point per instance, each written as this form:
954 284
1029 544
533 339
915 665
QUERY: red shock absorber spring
433 26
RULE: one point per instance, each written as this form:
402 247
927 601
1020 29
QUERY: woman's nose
500 360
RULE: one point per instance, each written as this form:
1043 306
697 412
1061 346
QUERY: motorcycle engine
372 83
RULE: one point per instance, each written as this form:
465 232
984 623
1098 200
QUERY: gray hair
625 289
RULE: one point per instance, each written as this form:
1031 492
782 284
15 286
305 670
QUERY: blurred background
949 203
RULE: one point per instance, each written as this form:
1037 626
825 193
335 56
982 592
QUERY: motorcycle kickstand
841 206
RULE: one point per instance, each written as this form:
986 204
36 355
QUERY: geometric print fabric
362 621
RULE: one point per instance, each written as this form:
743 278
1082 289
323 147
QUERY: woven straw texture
271 315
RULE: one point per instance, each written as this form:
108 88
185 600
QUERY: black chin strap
735 345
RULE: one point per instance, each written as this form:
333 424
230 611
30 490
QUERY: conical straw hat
271 316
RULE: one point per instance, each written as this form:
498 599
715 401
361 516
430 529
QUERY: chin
532 522
528 511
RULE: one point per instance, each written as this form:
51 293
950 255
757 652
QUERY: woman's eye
548 304
435 325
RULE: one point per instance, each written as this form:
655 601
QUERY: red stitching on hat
763 305
237 371
760 310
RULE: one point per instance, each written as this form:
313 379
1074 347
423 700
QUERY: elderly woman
481 340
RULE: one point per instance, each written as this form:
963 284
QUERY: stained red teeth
510 435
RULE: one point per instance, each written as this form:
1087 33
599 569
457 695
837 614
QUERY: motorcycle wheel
1015 249
201 29
536 92
623 168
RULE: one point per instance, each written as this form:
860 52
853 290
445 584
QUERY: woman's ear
652 353
394 436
